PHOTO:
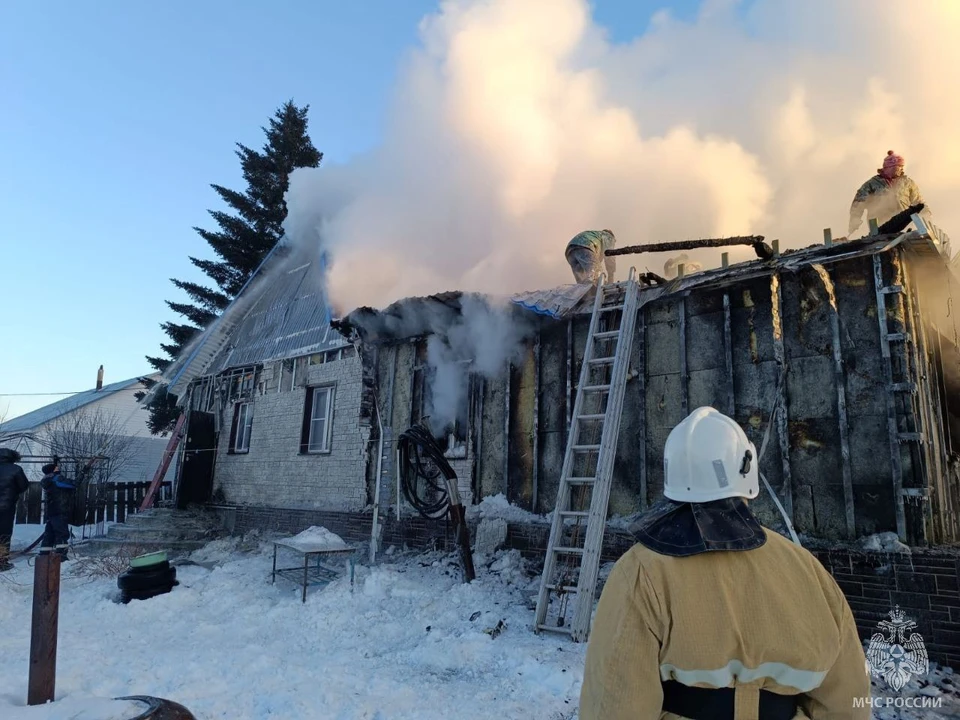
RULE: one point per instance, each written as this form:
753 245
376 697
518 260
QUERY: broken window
317 420
453 436
242 425
286 376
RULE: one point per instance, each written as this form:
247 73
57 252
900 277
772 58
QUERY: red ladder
164 463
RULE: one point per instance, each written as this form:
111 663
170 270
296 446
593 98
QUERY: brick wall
410 531
275 472
925 584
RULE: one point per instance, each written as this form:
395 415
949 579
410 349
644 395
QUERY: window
454 435
317 418
242 424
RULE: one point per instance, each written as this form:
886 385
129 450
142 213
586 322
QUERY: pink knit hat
891 160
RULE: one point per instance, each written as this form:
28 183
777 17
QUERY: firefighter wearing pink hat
711 615
884 195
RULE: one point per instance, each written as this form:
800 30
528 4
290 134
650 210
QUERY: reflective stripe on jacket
771 618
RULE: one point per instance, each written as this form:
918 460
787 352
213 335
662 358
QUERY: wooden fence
96 503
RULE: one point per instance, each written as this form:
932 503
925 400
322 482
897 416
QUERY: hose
421 458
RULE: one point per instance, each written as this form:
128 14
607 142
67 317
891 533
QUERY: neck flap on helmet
681 529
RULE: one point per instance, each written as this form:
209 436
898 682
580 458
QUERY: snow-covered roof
48 413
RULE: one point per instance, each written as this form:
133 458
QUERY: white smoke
689 266
482 338
517 124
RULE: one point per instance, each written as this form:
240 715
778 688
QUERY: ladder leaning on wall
576 536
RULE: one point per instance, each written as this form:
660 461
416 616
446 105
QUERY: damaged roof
391 323
281 312
415 316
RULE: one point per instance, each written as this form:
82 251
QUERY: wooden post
680 270
827 237
724 259
874 226
43 631
775 244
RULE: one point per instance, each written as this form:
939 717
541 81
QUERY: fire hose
422 465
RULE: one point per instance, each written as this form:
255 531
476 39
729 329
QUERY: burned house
855 342
293 416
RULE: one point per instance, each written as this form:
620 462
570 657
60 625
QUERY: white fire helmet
708 457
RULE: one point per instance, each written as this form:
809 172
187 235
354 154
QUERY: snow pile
316 538
936 696
884 542
497 506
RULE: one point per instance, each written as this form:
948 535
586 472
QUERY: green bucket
148 559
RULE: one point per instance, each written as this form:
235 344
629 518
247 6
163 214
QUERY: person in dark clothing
59 491
13 483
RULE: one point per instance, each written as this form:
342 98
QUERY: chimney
100 378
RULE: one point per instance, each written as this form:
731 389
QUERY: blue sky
115 119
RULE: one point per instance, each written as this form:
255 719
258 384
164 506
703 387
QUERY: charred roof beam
763 251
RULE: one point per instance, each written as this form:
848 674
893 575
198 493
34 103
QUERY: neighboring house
830 334
106 420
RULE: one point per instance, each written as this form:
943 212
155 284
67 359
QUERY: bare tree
95 433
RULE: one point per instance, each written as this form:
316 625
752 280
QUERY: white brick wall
274 473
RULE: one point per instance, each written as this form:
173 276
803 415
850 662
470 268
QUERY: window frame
309 420
238 432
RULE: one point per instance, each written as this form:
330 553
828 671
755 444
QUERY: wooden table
316 569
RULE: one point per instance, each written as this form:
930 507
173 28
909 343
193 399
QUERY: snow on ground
23 535
409 641
497 506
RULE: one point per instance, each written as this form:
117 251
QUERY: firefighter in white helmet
711 615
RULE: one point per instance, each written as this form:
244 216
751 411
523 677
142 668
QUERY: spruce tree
245 235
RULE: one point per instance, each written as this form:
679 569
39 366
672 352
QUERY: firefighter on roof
889 192
585 253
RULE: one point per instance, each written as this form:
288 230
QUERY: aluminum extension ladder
576 536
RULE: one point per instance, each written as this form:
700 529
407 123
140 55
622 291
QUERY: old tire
128 595
159 709
161 565
147 580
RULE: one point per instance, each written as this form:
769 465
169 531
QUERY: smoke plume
516 124
480 340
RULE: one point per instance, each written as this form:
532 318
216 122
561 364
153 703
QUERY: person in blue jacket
60 494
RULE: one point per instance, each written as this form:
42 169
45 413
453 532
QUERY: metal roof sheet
48 413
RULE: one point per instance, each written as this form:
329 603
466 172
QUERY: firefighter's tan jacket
770 618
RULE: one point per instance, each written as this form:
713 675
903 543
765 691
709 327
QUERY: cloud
516 124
